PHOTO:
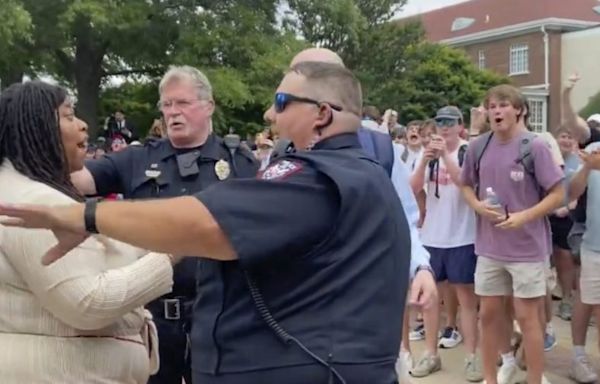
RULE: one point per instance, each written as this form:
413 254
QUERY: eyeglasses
283 99
447 122
178 103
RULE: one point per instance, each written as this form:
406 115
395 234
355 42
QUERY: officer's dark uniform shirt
314 231
152 171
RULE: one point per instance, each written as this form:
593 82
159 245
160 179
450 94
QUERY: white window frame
518 61
481 59
538 113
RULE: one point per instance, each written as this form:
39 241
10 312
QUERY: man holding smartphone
448 233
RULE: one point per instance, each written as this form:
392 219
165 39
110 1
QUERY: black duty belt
174 308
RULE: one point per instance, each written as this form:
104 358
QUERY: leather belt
174 308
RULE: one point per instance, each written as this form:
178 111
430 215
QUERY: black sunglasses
447 122
283 99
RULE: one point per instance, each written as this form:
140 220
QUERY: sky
413 7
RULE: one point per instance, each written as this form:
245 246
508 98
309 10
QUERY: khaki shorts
590 277
501 278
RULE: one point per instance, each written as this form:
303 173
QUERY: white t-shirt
413 158
449 221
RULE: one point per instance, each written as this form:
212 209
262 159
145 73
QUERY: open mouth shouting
83 145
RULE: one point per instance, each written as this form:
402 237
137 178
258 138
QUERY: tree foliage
15 37
242 45
593 106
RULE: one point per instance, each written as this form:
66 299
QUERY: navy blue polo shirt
317 233
152 171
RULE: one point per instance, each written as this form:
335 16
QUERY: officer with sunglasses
191 159
303 279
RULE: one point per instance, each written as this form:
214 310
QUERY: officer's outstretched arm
180 226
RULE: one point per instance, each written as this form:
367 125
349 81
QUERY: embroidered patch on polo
281 169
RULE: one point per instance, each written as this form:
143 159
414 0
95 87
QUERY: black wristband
89 215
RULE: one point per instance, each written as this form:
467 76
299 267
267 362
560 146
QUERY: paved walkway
557 361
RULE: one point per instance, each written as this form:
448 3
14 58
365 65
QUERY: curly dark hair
30 135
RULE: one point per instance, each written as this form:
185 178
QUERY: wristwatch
425 267
89 215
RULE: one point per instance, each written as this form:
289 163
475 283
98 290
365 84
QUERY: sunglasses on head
282 100
446 122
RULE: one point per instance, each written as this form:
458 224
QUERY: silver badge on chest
222 169
153 172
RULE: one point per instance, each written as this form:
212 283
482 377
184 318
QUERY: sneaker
427 365
582 371
506 373
549 341
565 311
473 370
450 338
404 365
417 334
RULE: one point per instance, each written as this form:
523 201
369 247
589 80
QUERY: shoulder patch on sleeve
280 170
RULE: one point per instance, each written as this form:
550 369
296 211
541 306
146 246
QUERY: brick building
518 38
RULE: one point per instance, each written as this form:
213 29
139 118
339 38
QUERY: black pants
561 226
174 350
377 373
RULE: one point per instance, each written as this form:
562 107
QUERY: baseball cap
595 117
449 112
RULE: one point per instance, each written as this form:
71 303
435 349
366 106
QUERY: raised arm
575 123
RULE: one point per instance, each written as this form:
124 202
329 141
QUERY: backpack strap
404 155
525 154
527 159
480 144
462 151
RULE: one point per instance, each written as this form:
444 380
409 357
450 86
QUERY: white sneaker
582 371
417 334
404 365
473 369
450 338
506 373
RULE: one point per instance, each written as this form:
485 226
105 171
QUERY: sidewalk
557 361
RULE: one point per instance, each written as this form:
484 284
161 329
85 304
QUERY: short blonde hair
505 92
189 74
333 81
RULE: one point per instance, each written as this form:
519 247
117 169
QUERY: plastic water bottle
492 200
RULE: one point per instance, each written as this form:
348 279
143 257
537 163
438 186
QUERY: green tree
137 99
339 24
432 76
593 106
397 67
15 36
244 54
83 43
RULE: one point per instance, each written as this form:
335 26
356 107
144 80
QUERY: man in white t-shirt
448 232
